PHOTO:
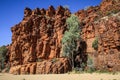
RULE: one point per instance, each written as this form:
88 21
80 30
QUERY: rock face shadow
80 56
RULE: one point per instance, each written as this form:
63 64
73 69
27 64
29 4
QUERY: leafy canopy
3 51
70 36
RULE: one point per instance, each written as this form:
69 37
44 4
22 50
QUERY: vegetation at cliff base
3 51
90 65
69 40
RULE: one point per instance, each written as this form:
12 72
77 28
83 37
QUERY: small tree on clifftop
69 40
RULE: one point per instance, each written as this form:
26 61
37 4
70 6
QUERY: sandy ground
84 76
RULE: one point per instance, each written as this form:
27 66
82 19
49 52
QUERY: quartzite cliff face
38 37
36 40
108 56
103 21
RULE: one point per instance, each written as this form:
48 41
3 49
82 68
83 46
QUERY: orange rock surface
38 37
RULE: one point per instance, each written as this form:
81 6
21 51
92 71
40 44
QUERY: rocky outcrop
87 17
108 56
107 29
108 6
102 21
38 35
53 66
36 40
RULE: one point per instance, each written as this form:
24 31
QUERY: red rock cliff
36 40
108 56
88 16
38 37
103 21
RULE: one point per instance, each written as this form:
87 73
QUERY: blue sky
12 11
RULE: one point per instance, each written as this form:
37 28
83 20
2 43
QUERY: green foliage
95 43
3 51
82 66
90 65
71 36
112 12
73 23
69 40
75 71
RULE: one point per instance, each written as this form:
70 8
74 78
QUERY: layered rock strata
53 66
36 40
38 36
108 56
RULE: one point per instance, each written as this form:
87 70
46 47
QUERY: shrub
69 40
95 43
3 51
112 12
90 65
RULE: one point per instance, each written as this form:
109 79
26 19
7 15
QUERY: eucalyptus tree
69 40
